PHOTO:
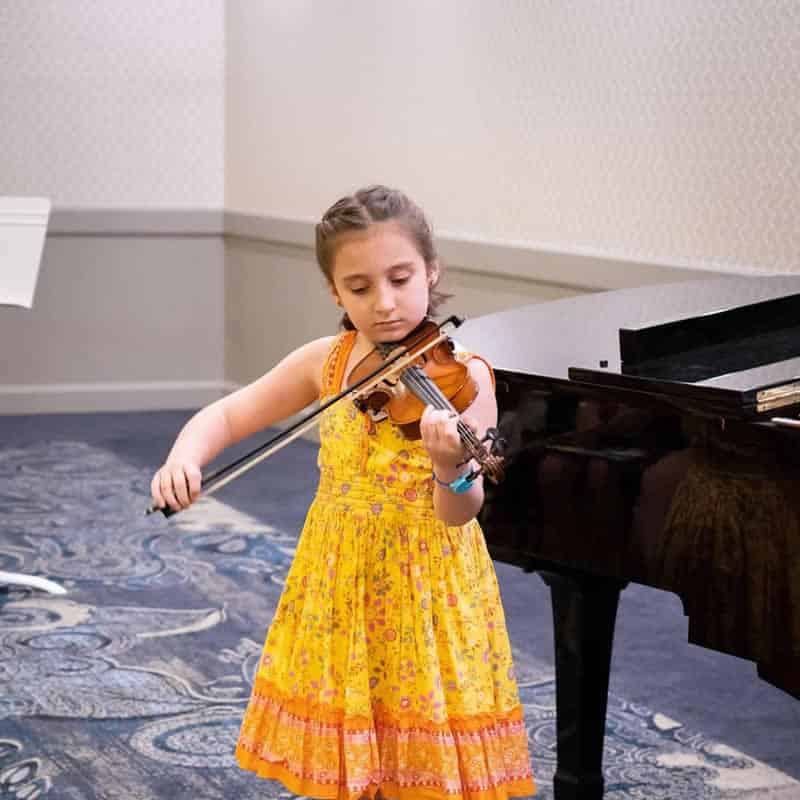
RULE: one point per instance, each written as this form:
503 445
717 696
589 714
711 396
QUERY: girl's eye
400 281
359 290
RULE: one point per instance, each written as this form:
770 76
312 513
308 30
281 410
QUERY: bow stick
395 363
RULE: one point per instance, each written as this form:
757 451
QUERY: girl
387 669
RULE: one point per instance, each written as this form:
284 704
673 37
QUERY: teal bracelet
461 484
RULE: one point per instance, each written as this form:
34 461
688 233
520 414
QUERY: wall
649 132
113 104
115 111
188 146
118 322
277 300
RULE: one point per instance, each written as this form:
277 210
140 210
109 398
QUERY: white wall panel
652 131
118 322
113 103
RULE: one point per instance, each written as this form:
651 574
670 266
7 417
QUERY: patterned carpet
132 685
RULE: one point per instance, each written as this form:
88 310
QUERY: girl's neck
362 345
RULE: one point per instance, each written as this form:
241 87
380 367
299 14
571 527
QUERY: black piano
641 446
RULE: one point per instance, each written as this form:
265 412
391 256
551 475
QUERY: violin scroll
489 456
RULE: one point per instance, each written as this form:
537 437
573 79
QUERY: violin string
428 391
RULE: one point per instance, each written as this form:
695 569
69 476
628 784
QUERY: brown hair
365 207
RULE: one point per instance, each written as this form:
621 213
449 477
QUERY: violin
433 377
402 378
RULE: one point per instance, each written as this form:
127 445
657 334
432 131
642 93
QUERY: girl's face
381 281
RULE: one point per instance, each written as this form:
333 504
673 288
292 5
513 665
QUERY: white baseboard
56 398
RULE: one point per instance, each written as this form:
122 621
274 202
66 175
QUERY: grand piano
649 439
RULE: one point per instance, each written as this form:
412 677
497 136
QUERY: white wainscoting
145 309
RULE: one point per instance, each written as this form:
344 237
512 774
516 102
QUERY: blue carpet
133 684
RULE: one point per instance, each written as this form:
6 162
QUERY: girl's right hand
176 484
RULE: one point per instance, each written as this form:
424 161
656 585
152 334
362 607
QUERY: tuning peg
497 442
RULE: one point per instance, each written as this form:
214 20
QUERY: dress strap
336 362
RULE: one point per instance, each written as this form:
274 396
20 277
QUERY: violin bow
224 475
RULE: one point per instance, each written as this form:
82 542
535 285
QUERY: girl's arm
441 439
287 388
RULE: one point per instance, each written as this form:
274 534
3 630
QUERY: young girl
387 669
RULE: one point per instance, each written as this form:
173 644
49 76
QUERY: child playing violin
387 669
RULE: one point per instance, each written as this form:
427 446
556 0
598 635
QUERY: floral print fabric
387 664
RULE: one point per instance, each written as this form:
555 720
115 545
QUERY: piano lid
727 344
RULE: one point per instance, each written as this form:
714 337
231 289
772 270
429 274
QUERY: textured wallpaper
633 129
636 129
113 103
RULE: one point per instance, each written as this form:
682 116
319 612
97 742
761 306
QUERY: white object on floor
17 579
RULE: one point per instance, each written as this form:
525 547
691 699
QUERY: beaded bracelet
461 484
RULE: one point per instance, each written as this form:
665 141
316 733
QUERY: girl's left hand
441 439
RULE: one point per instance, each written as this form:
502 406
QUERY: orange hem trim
297 784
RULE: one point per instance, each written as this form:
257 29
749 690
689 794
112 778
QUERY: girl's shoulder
319 348
315 355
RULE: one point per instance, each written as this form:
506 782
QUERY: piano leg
584 614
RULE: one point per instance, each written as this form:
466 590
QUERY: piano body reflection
640 447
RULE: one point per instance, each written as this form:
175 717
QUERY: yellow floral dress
387 664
